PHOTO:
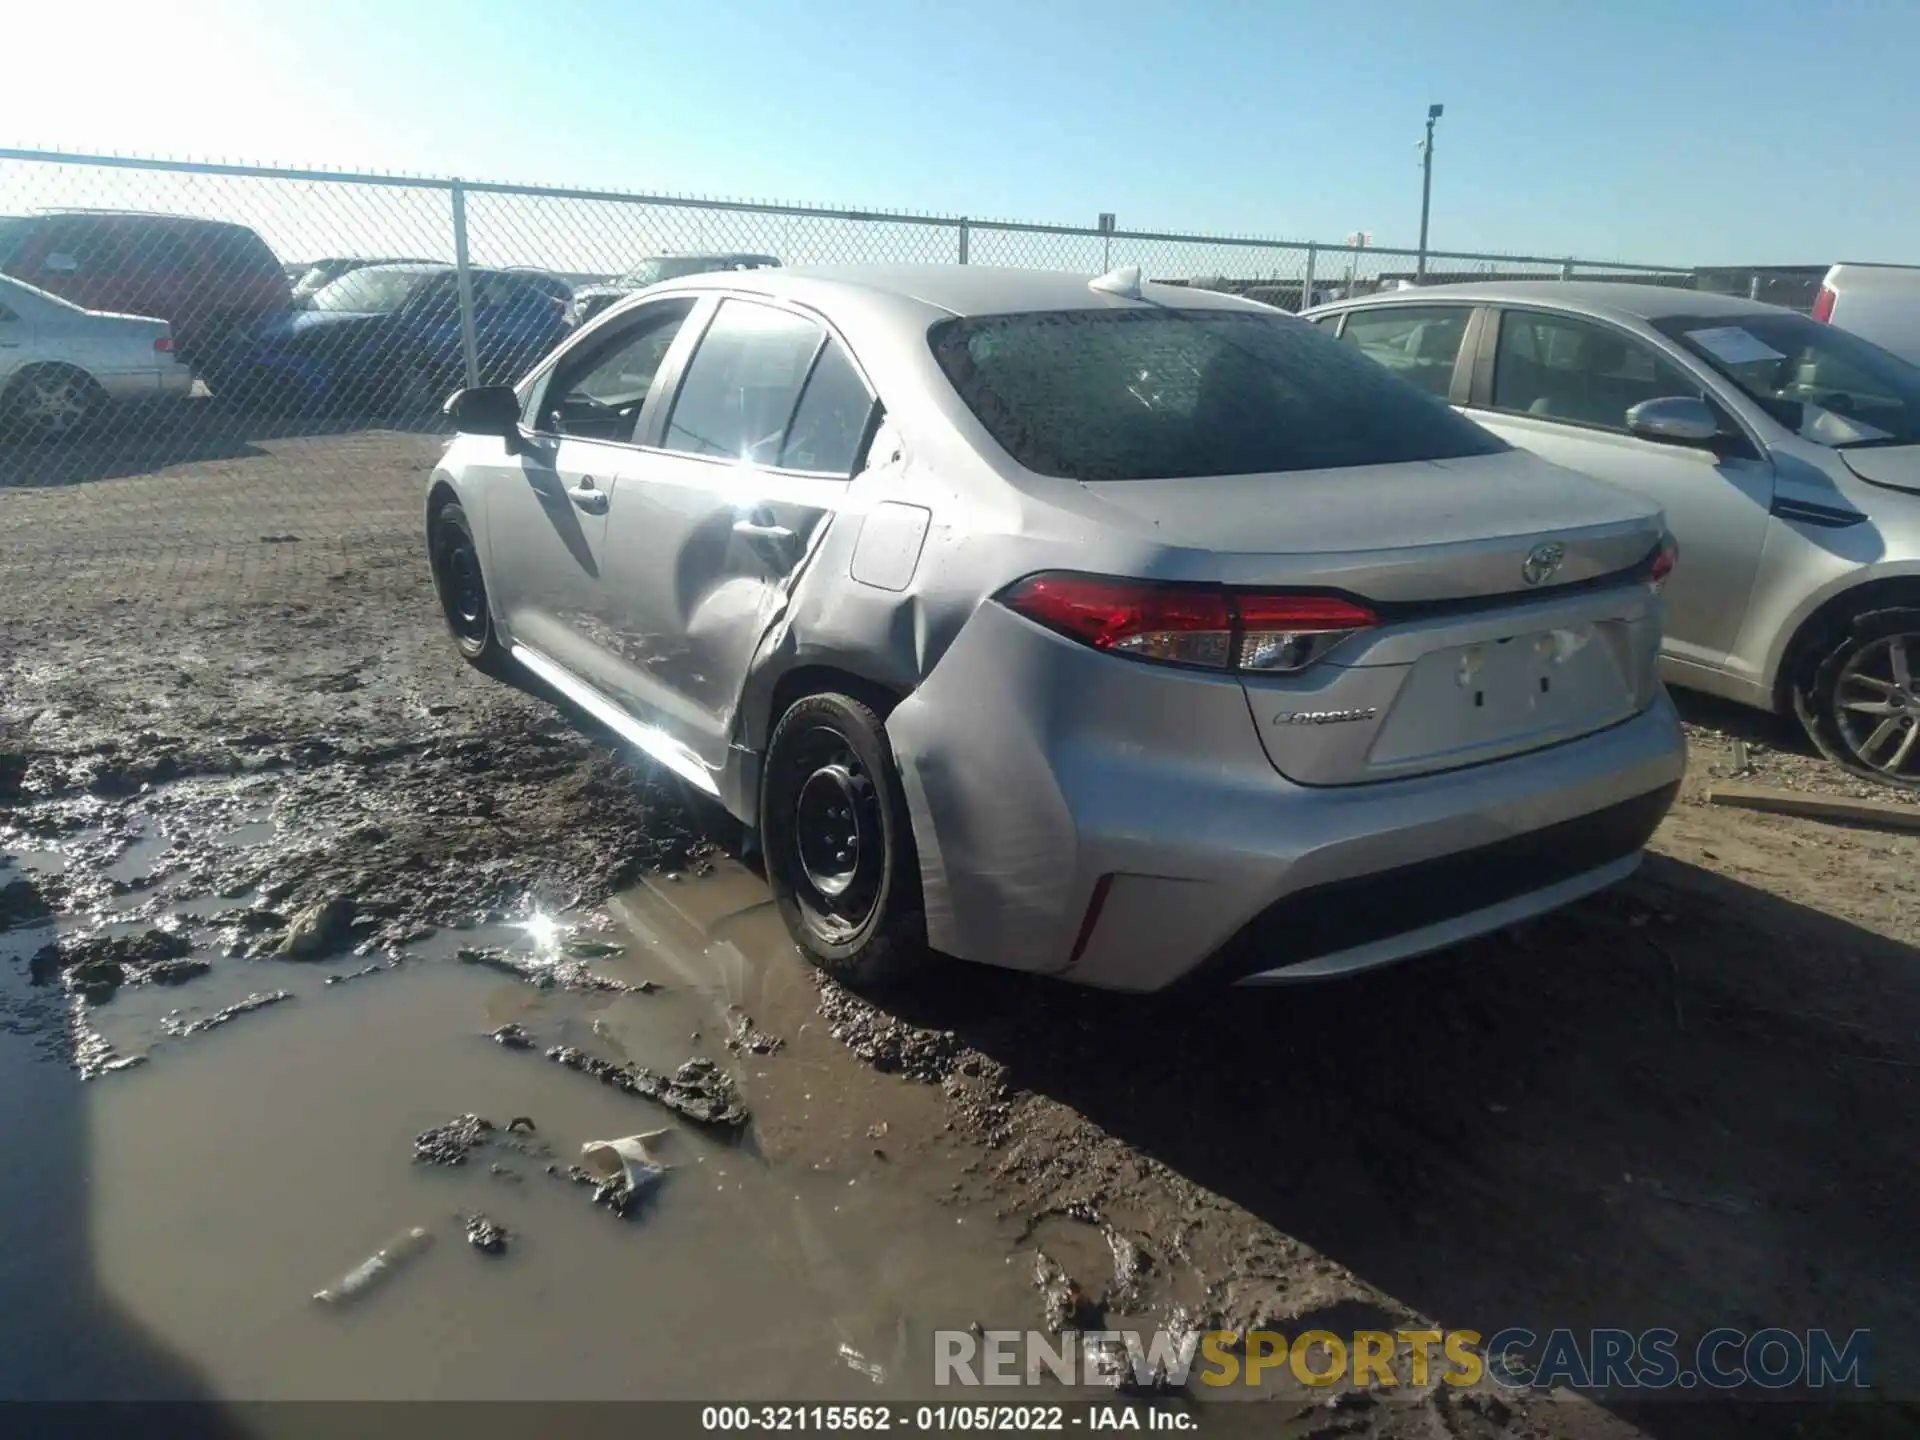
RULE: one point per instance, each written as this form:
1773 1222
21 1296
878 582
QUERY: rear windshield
371 291
1173 394
1823 383
13 233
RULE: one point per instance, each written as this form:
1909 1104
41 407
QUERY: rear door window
86 246
1167 394
830 424
743 383
1416 342
1560 368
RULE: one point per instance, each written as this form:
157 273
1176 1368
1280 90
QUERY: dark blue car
387 339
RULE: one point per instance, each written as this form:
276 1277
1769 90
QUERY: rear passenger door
1419 343
1561 385
710 529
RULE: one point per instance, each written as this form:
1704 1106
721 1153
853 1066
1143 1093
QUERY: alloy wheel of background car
50 403
838 845
463 589
1863 706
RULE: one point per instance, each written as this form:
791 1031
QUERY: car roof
406 267
958 289
710 255
1593 297
195 221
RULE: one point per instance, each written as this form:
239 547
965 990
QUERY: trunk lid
1430 531
1513 612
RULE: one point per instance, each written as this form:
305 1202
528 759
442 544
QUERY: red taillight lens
1664 559
163 346
1214 628
1823 306
1181 624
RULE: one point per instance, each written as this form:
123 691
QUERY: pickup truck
1880 303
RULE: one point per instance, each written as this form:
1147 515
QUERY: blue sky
1707 131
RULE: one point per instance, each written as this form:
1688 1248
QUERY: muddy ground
228 715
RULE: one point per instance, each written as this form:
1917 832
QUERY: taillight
1664 559
1823 305
163 346
1201 625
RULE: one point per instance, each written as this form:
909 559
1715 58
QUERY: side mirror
60 264
488 410
1675 419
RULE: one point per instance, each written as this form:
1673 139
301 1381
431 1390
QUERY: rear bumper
1372 920
1121 826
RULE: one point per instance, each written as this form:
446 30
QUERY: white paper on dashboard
1733 345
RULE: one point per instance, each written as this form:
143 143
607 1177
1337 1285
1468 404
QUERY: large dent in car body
997 842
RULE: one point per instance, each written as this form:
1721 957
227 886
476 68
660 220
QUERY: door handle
593 501
753 530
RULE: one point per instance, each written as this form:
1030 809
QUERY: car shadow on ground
141 440
63 1335
1641 1112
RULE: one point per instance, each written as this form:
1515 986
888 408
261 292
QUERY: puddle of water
256 829
138 859
39 862
243 1169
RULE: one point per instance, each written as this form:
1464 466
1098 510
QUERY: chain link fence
314 322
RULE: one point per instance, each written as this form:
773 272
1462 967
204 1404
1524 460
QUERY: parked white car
60 365
1880 303
1784 453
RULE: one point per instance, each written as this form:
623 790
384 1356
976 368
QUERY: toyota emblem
1543 562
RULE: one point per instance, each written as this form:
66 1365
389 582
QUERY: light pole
1434 112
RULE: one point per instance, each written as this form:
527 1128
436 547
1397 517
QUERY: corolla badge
1543 562
1324 717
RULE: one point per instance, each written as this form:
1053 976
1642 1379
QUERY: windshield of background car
1825 384
370 292
1172 394
652 272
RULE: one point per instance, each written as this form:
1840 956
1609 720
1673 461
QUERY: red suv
208 279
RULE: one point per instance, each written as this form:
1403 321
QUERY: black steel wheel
838 844
463 589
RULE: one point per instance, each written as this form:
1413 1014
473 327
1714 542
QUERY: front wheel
838 844
1861 706
463 590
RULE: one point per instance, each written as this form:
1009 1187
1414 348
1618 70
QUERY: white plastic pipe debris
631 1157
377 1266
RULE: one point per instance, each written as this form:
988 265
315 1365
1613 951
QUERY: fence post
1566 269
469 341
963 241
1306 285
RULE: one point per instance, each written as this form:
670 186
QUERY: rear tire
838 844
1860 703
462 588
51 402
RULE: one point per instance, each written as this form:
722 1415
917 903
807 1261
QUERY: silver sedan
1112 631
1785 453
60 365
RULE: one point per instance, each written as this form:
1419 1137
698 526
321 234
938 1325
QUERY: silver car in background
61 365
1785 453
1117 632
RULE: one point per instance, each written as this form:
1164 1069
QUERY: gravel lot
1688 1103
